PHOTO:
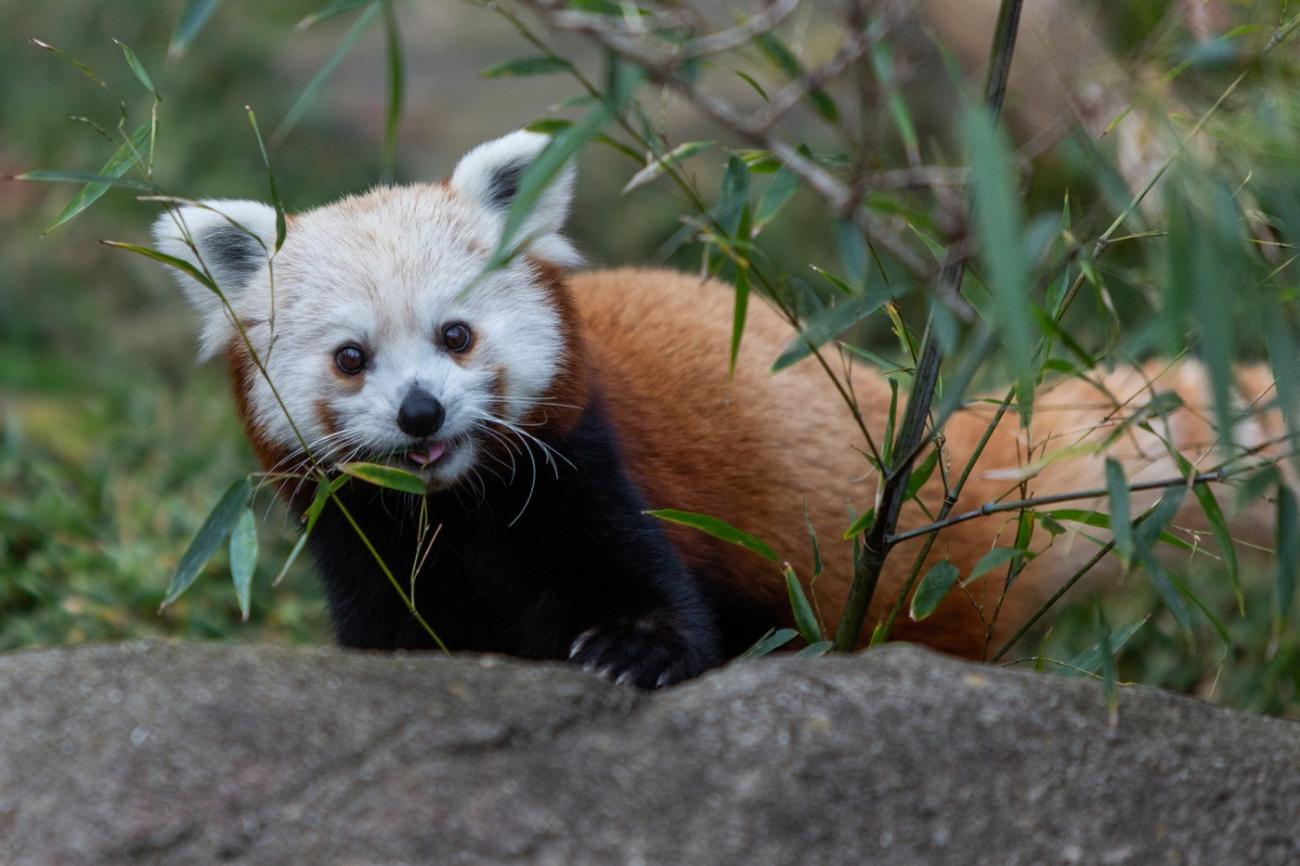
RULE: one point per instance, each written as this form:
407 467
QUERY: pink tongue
429 453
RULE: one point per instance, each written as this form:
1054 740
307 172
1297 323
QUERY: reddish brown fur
751 450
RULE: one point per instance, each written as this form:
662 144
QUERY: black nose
420 414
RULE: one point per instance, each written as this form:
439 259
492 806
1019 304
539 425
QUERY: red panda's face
378 330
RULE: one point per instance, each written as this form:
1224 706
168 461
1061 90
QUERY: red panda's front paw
646 652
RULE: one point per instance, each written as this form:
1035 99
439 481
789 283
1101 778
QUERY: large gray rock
156 753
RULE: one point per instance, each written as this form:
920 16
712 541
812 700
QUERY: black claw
647 653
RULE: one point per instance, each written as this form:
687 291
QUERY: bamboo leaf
921 473
220 521
179 264
281 226
657 166
817 650
933 587
996 557
1121 515
812 538
324 489
775 196
338 7
784 59
999 229
195 14
768 643
719 529
1102 521
733 196
396 90
861 524
522 67
1144 538
1288 556
137 67
545 167
740 311
827 324
804 618
1089 661
243 559
386 476
45 175
317 82
122 160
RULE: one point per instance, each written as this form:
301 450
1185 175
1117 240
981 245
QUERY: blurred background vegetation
114 445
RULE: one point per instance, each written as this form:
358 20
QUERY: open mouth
428 454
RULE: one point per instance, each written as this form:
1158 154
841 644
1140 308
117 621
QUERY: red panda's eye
457 336
350 359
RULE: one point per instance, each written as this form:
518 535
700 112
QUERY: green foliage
109 458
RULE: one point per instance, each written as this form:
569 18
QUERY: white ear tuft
489 176
233 240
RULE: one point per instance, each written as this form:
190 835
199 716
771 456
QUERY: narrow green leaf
827 324
281 226
999 230
861 524
1256 484
218 525
396 90
1288 555
784 59
1144 538
768 643
733 196
541 172
1102 521
549 125
804 618
243 559
891 419
179 264
1218 525
994 558
1089 661
122 160
817 650
739 314
657 166
775 196
812 538
386 476
719 529
1121 515
525 66
44 175
933 587
882 63
137 67
195 14
313 88
921 473
338 7
323 491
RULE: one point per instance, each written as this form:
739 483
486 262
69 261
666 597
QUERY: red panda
547 409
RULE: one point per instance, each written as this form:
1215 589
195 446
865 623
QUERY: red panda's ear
489 175
230 241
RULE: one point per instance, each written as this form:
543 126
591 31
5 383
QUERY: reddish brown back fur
753 448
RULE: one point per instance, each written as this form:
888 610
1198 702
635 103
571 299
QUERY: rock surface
161 753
